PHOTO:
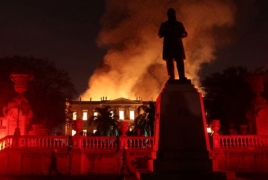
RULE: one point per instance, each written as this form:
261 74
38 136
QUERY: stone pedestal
181 143
257 114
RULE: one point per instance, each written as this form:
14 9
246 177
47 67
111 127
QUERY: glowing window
121 115
84 132
112 113
73 132
74 115
131 115
84 117
95 113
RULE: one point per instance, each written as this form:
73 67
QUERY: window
73 132
121 115
84 117
95 114
131 115
84 132
112 114
74 115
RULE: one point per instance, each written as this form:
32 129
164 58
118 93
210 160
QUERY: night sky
66 32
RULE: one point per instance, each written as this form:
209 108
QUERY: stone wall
37 161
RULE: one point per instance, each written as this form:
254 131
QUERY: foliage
46 92
104 120
145 120
228 95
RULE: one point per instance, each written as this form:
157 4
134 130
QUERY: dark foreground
66 177
110 177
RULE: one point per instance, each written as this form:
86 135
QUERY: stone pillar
78 126
215 126
257 115
181 126
18 111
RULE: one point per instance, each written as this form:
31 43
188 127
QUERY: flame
133 66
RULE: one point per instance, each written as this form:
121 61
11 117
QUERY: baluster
231 142
86 142
226 142
134 143
222 142
50 142
97 143
254 141
238 142
90 145
139 143
244 141
129 142
38 141
250 142
234 142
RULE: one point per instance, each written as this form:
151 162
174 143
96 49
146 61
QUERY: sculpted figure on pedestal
173 31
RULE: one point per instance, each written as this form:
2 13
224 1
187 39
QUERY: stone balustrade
239 141
80 142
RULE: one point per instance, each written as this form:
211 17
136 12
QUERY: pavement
110 177
67 177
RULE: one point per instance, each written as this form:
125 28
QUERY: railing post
77 142
16 141
216 141
123 142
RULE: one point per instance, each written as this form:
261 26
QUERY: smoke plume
133 66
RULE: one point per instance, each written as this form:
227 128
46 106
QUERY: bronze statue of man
173 31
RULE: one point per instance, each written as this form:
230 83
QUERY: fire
133 66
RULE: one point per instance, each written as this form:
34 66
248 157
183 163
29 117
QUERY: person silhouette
173 31
53 163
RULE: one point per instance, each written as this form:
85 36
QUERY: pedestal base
181 140
194 175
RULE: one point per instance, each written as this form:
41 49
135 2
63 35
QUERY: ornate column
20 102
258 113
215 126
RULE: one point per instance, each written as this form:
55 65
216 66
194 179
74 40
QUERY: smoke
133 66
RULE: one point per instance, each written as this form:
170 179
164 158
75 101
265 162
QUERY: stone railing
81 142
140 142
239 141
43 141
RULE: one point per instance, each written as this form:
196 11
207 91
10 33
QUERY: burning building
126 109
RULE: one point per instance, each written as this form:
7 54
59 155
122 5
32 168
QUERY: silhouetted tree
145 120
228 95
46 93
105 120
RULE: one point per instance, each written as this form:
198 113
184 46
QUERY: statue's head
171 13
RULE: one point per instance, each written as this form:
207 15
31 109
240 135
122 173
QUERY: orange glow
133 66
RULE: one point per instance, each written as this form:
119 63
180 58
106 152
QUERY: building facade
126 109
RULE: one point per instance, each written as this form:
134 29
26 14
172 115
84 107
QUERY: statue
173 31
257 114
